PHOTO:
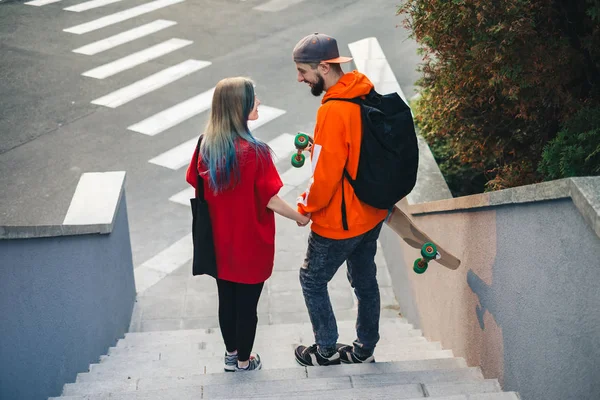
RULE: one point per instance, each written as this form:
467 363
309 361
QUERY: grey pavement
50 133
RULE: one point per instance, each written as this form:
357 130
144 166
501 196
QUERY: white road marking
88 5
276 5
137 58
124 37
174 115
151 83
121 16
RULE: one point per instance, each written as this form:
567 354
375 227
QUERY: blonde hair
232 103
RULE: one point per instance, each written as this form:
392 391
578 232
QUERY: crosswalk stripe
371 61
172 116
184 196
281 146
121 16
165 262
153 82
88 5
179 156
136 59
276 5
297 176
124 37
39 3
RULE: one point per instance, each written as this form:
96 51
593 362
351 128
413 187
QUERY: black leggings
237 315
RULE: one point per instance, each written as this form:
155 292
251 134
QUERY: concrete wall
524 303
64 299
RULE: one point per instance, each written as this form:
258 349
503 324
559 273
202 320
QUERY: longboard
416 238
397 220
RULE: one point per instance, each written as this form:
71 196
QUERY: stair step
454 388
344 324
295 333
398 370
271 359
218 351
217 345
212 366
290 373
472 377
404 392
385 393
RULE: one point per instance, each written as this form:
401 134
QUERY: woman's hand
304 221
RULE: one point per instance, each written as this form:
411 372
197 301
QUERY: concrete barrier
524 303
66 291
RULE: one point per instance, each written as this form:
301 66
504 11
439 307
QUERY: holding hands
304 220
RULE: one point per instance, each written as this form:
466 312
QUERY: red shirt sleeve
267 182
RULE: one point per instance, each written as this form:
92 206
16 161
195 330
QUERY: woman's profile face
254 113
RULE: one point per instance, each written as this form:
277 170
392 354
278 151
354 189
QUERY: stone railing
524 303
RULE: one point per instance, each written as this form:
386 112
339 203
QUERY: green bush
499 79
576 149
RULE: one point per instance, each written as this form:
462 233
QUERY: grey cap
318 47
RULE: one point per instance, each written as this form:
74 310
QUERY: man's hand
304 222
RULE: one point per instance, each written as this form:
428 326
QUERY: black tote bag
204 259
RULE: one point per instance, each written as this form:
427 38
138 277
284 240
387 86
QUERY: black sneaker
348 356
311 356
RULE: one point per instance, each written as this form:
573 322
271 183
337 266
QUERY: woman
240 185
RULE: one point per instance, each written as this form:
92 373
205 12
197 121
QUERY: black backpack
389 153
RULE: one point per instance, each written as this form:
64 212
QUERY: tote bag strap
200 184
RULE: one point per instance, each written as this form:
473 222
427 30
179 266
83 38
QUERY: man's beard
318 88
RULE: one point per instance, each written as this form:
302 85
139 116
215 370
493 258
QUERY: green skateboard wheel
428 251
420 266
301 141
298 160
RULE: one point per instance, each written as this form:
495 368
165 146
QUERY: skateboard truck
428 252
303 142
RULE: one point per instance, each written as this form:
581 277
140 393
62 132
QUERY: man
334 239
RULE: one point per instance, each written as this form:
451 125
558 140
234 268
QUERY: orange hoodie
337 136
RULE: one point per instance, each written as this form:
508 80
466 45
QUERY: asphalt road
51 132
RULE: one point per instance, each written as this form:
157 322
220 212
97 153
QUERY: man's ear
324 68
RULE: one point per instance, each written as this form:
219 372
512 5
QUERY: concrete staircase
188 364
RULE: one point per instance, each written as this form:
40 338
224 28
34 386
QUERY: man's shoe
230 362
254 364
311 356
348 356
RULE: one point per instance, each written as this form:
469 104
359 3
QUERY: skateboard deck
416 238
397 220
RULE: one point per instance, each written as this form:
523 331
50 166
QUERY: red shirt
243 227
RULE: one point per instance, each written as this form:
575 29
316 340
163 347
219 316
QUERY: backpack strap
359 101
355 100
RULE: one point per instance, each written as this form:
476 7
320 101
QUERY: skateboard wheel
420 265
429 251
301 141
298 160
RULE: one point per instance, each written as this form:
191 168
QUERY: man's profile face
312 77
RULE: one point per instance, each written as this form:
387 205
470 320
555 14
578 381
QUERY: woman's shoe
254 364
230 362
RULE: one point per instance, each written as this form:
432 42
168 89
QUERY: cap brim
338 60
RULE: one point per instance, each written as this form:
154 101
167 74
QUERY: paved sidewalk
182 301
